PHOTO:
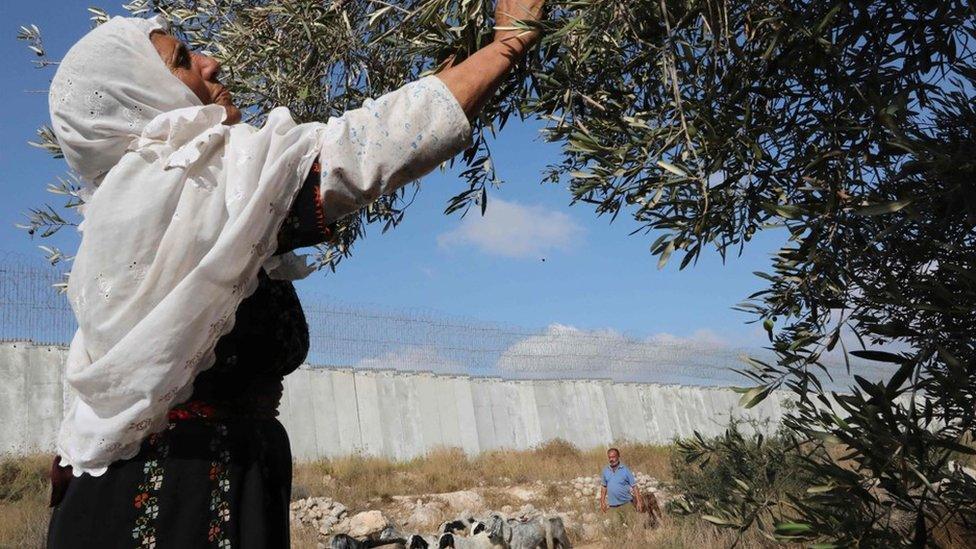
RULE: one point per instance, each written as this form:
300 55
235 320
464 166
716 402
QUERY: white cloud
702 339
413 358
568 352
511 229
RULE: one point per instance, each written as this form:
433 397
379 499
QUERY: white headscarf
101 98
185 210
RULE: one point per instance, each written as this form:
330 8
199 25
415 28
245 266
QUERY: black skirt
201 483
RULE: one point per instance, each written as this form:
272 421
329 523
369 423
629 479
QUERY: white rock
461 500
520 493
341 527
424 515
367 523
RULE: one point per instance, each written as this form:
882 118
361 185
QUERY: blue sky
595 276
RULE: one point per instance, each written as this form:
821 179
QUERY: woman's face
199 72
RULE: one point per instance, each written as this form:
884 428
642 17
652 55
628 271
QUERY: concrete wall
32 396
338 411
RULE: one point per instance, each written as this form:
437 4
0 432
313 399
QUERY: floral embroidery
62 91
95 103
147 499
258 248
139 272
193 409
134 116
168 396
104 286
220 488
82 300
217 326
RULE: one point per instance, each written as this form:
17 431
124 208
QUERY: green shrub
747 472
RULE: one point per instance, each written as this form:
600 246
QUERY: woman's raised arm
474 81
376 149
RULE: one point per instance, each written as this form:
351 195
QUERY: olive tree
850 124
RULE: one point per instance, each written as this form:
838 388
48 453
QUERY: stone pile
586 487
319 513
329 517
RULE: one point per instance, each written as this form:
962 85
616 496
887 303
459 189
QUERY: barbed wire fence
31 308
379 337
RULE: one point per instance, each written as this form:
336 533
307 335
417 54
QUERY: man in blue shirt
619 486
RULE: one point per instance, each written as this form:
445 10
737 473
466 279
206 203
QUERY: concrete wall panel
368 401
347 412
409 407
430 423
14 365
652 413
44 396
549 409
447 412
501 414
391 416
323 414
633 420
613 411
482 414
529 412
601 412
467 423
301 419
332 412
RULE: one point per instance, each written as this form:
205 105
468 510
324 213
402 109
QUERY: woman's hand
509 11
474 81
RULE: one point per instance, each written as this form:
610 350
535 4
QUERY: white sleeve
388 142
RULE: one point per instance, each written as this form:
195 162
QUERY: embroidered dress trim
147 500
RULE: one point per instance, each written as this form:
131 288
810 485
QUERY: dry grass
678 533
359 481
363 482
23 501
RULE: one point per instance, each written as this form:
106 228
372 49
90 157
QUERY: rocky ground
576 501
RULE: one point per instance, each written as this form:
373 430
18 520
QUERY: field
371 483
